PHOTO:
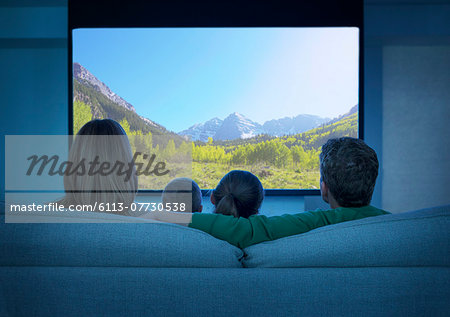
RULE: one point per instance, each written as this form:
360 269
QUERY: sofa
391 265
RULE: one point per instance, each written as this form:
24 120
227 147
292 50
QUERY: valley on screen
282 152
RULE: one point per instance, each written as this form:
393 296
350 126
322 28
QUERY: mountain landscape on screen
104 103
237 126
282 152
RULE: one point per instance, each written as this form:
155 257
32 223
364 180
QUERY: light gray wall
407 84
416 126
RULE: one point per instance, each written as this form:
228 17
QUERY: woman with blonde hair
102 172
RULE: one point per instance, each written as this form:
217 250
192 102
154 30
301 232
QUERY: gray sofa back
113 245
418 238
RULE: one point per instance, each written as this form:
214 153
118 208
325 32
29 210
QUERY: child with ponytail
239 193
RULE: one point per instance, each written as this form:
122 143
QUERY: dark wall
33 70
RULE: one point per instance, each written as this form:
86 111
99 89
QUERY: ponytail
239 193
227 206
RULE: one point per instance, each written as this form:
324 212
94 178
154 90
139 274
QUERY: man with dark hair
348 169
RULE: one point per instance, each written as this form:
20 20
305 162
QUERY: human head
106 140
102 127
348 171
239 193
183 190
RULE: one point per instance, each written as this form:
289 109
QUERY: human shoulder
368 210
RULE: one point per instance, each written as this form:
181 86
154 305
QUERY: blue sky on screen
181 76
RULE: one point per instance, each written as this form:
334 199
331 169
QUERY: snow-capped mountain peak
201 131
237 126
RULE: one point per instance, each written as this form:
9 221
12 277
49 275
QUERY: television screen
258 99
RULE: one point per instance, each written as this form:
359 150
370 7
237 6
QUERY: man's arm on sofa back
243 232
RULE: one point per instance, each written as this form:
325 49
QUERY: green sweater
243 232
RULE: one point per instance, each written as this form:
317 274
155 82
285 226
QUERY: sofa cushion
112 244
418 238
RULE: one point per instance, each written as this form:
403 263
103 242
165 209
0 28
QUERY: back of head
102 127
349 167
239 193
185 191
106 142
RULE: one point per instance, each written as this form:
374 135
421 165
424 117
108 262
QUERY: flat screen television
258 87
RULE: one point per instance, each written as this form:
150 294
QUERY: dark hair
183 190
102 127
349 167
239 193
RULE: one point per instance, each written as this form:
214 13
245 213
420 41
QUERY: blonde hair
104 141
185 191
